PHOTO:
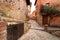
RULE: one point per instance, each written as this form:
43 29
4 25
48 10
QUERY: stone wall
55 21
14 8
3 31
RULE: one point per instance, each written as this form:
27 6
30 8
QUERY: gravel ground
34 34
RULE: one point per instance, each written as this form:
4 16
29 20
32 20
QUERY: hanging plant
47 10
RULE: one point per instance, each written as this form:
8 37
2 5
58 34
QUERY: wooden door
45 19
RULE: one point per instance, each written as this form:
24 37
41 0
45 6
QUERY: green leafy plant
47 10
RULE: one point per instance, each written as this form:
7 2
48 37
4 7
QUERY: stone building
55 21
14 8
17 8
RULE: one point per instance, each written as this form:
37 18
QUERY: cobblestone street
34 34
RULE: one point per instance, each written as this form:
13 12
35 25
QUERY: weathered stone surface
27 26
55 21
35 34
14 8
38 35
3 31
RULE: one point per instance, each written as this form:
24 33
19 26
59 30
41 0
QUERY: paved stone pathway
34 34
